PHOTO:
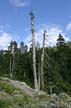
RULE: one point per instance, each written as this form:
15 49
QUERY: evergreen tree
22 47
60 41
13 47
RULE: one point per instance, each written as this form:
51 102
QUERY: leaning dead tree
33 45
42 61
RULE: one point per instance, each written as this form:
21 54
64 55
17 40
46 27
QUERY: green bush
5 86
5 103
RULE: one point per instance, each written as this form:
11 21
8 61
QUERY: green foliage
57 66
60 41
6 87
5 103
11 97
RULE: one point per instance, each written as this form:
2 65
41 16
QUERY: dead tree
13 61
39 76
34 56
10 68
42 61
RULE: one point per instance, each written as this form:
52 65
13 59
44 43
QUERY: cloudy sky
52 15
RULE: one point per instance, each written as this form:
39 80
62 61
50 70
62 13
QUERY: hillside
14 97
15 94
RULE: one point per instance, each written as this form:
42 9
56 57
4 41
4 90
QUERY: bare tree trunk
34 57
10 69
42 61
39 74
13 63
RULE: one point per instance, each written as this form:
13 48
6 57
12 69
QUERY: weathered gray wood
34 56
39 77
42 60
10 68
13 64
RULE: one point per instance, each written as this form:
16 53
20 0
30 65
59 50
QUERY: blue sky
52 15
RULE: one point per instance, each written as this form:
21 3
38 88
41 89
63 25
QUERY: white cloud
19 3
68 26
5 39
52 32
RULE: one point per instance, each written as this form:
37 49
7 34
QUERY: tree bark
34 56
42 61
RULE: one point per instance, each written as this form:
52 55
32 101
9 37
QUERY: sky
54 16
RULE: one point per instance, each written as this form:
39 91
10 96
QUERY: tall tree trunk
42 61
34 56
39 77
13 66
10 68
13 63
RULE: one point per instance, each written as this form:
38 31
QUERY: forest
17 63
